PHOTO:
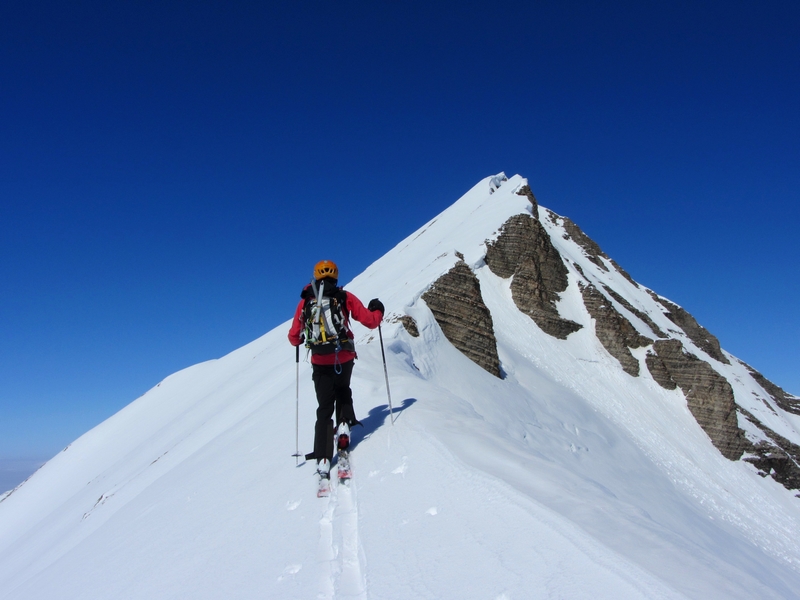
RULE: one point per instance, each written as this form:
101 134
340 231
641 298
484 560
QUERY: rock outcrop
614 331
702 338
458 307
786 401
778 458
623 272
659 371
523 251
590 247
644 317
525 190
708 394
410 325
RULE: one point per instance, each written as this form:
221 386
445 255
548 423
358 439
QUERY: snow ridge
564 476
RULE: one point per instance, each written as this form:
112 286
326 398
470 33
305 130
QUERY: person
322 321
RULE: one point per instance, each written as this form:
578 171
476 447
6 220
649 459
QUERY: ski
343 465
324 488
343 470
324 478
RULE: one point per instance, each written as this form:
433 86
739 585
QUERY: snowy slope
566 479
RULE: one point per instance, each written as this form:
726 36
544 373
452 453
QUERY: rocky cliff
708 394
614 331
524 252
677 351
696 332
458 307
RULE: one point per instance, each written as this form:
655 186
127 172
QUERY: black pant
333 391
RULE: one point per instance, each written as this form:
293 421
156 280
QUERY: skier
322 320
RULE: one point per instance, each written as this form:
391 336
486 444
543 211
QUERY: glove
376 304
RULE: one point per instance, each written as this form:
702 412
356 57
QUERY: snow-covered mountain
560 432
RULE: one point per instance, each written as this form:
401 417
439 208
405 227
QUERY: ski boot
342 437
343 451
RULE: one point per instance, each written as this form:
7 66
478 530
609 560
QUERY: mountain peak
560 278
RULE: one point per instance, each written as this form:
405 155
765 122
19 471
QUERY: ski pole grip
297 353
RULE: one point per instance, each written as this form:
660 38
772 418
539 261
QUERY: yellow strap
322 324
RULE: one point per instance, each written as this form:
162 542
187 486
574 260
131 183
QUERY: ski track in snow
327 551
340 555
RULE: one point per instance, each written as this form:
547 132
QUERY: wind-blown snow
566 479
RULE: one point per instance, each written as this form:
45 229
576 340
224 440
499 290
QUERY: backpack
326 319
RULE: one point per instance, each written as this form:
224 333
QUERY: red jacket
353 307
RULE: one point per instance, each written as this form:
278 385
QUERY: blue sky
171 171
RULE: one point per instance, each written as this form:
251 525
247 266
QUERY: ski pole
386 375
297 406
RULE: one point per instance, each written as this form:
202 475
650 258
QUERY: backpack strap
319 293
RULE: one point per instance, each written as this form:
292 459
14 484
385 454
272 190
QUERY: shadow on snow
375 420
369 425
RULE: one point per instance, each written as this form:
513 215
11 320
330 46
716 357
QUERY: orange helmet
326 268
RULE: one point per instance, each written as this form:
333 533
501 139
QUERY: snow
566 479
